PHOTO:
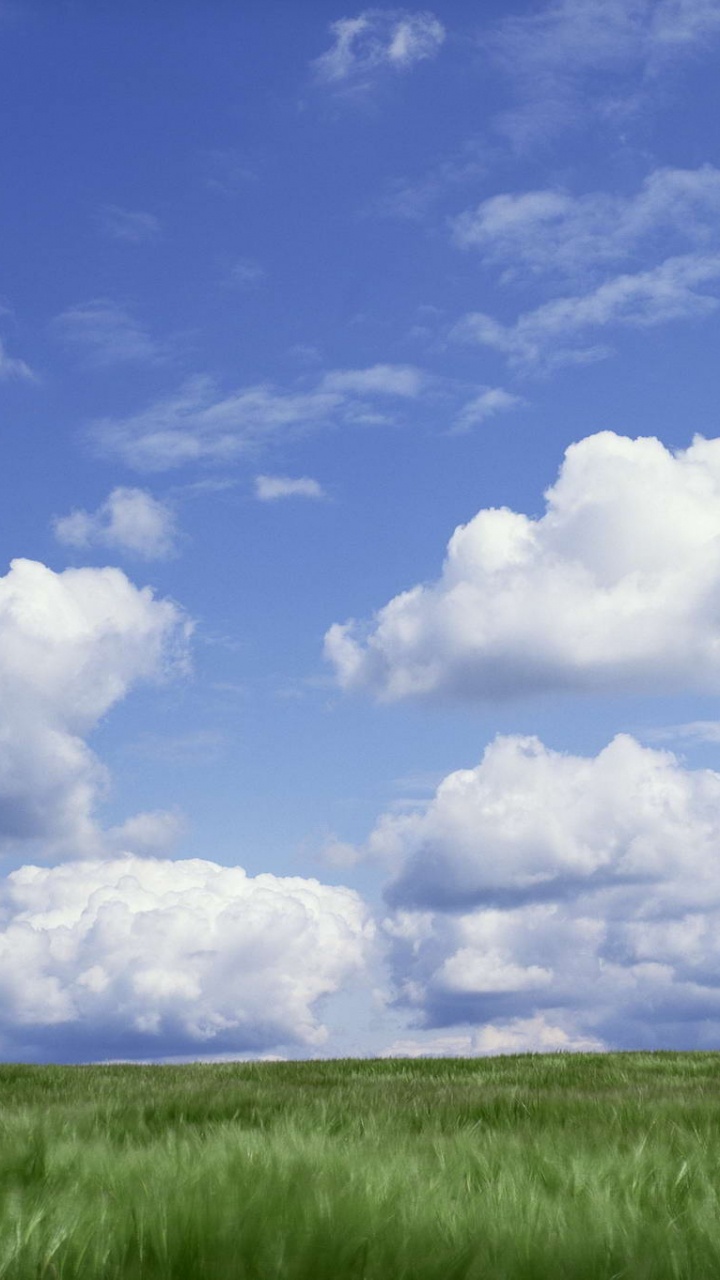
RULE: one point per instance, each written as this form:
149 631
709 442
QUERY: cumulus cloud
133 225
145 957
616 588
200 423
129 520
565 330
375 40
72 645
575 58
554 231
541 890
107 334
270 488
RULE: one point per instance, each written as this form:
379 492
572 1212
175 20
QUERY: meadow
590 1167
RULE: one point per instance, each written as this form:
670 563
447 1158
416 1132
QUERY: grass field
582 1166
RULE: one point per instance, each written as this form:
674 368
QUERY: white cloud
695 731
615 589
270 488
378 39
381 379
152 832
142 957
72 644
553 231
557 332
582 892
575 58
486 404
129 520
200 423
135 226
108 334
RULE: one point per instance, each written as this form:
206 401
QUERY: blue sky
360 587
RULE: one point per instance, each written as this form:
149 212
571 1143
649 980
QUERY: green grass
527 1168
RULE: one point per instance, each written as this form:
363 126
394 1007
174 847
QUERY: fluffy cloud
144 957
583 892
200 423
72 644
129 520
270 488
107 334
377 39
616 588
553 231
564 330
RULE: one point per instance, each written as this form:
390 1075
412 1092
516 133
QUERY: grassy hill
585 1167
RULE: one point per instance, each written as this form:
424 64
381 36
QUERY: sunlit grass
560 1166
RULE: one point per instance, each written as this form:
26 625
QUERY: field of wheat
580 1167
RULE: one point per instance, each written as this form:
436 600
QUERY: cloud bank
145 957
581 892
615 589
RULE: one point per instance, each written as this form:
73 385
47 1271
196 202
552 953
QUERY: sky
360 573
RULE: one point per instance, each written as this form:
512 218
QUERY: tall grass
525 1168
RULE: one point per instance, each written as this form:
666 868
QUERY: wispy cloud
414 198
130 520
557 332
228 170
552 231
12 367
489 402
245 273
108 334
381 379
199 422
378 39
133 225
576 58
271 488
693 731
